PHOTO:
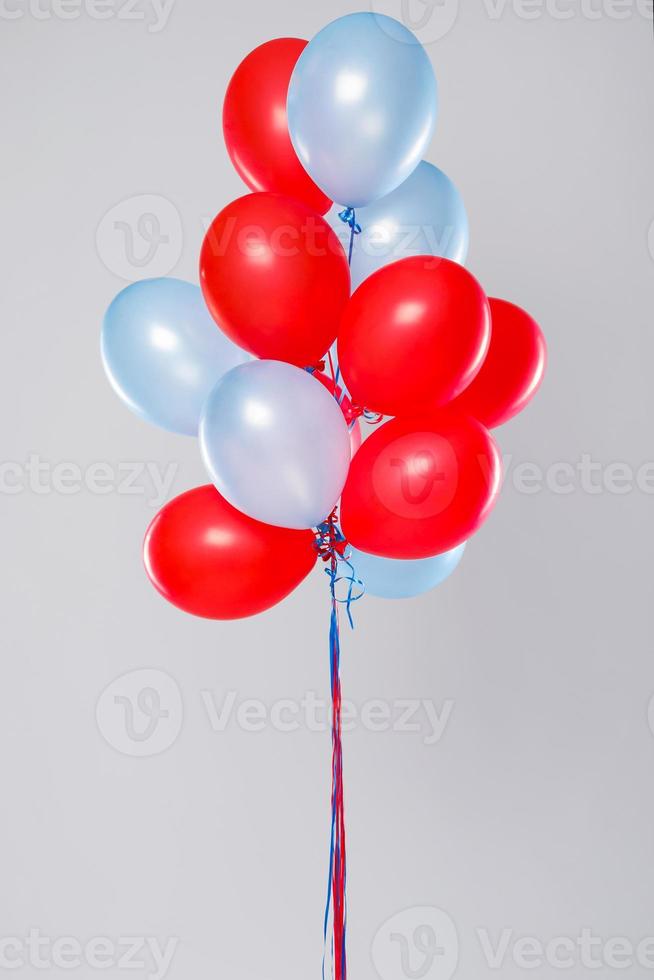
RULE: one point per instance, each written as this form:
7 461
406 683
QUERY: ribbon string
349 217
332 548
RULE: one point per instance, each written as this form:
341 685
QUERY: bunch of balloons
312 315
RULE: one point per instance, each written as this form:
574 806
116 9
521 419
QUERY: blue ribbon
339 567
349 217
331 545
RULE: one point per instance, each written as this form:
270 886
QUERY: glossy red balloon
256 127
418 487
346 408
275 278
336 390
413 336
513 370
210 560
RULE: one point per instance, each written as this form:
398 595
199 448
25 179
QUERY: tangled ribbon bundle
292 339
332 549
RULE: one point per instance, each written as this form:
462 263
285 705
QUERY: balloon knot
333 549
331 543
349 217
355 412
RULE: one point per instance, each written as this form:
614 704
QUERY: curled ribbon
349 217
332 548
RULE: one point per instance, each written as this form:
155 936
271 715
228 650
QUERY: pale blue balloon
276 444
362 106
394 578
423 216
163 353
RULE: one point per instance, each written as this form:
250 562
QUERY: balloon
275 278
419 487
513 370
423 216
393 578
413 336
362 107
256 128
276 444
356 438
210 560
162 352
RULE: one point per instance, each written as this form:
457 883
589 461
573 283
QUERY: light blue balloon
362 105
163 353
276 444
423 216
394 578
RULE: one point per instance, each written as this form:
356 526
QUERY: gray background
535 810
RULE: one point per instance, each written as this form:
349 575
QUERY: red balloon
210 560
418 487
256 127
337 391
346 407
275 278
513 370
413 335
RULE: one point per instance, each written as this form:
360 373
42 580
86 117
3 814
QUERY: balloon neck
354 412
331 543
349 216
